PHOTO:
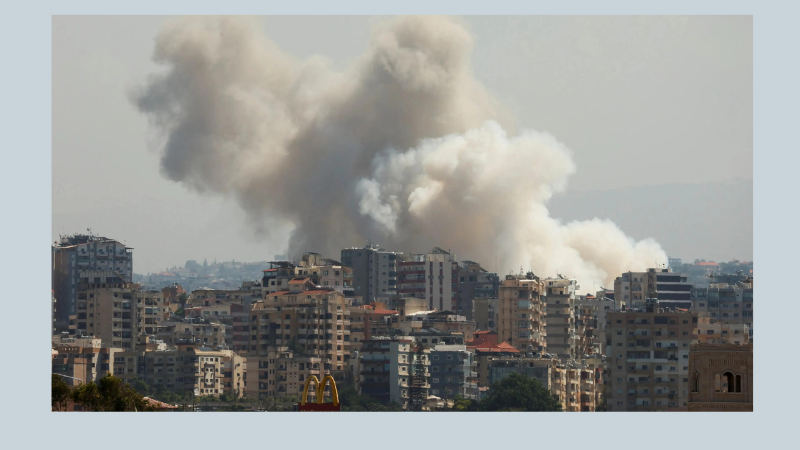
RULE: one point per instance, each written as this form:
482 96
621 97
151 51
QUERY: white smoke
405 148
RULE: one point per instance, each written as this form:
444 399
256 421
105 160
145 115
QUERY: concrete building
590 323
484 313
84 252
368 321
106 309
432 276
671 289
723 302
326 273
474 282
521 317
277 277
201 332
559 303
713 332
186 367
485 348
386 369
307 320
374 272
453 372
647 361
721 377
82 360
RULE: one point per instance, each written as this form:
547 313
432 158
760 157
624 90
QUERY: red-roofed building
484 345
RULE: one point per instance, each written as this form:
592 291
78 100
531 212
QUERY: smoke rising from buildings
404 148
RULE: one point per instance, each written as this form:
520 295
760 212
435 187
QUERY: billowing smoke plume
404 148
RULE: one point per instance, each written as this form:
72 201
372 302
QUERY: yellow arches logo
320 392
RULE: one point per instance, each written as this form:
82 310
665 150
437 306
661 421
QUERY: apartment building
374 271
106 309
387 369
432 276
277 277
723 302
307 320
283 373
474 282
150 311
708 331
326 273
367 321
590 323
647 361
218 297
81 360
484 313
185 367
84 252
559 302
200 332
485 348
721 377
521 316
634 288
453 372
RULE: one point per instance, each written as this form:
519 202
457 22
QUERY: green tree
109 394
465 404
518 392
60 393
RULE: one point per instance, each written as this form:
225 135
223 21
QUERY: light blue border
26 183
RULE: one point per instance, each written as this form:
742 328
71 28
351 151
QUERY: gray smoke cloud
404 148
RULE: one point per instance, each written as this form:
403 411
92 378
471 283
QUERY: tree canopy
516 392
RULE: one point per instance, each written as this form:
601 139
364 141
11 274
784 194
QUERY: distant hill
711 220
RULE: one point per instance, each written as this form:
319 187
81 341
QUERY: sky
640 101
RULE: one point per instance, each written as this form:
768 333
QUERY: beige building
721 377
77 253
209 334
186 367
219 297
560 312
308 321
106 309
484 313
712 332
647 361
82 360
521 314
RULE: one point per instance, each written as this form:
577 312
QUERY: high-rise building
432 276
521 313
374 272
647 359
560 313
306 320
453 372
474 282
105 308
634 288
82 252
484 313
726 303
388 372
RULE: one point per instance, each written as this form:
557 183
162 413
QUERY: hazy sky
639 100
